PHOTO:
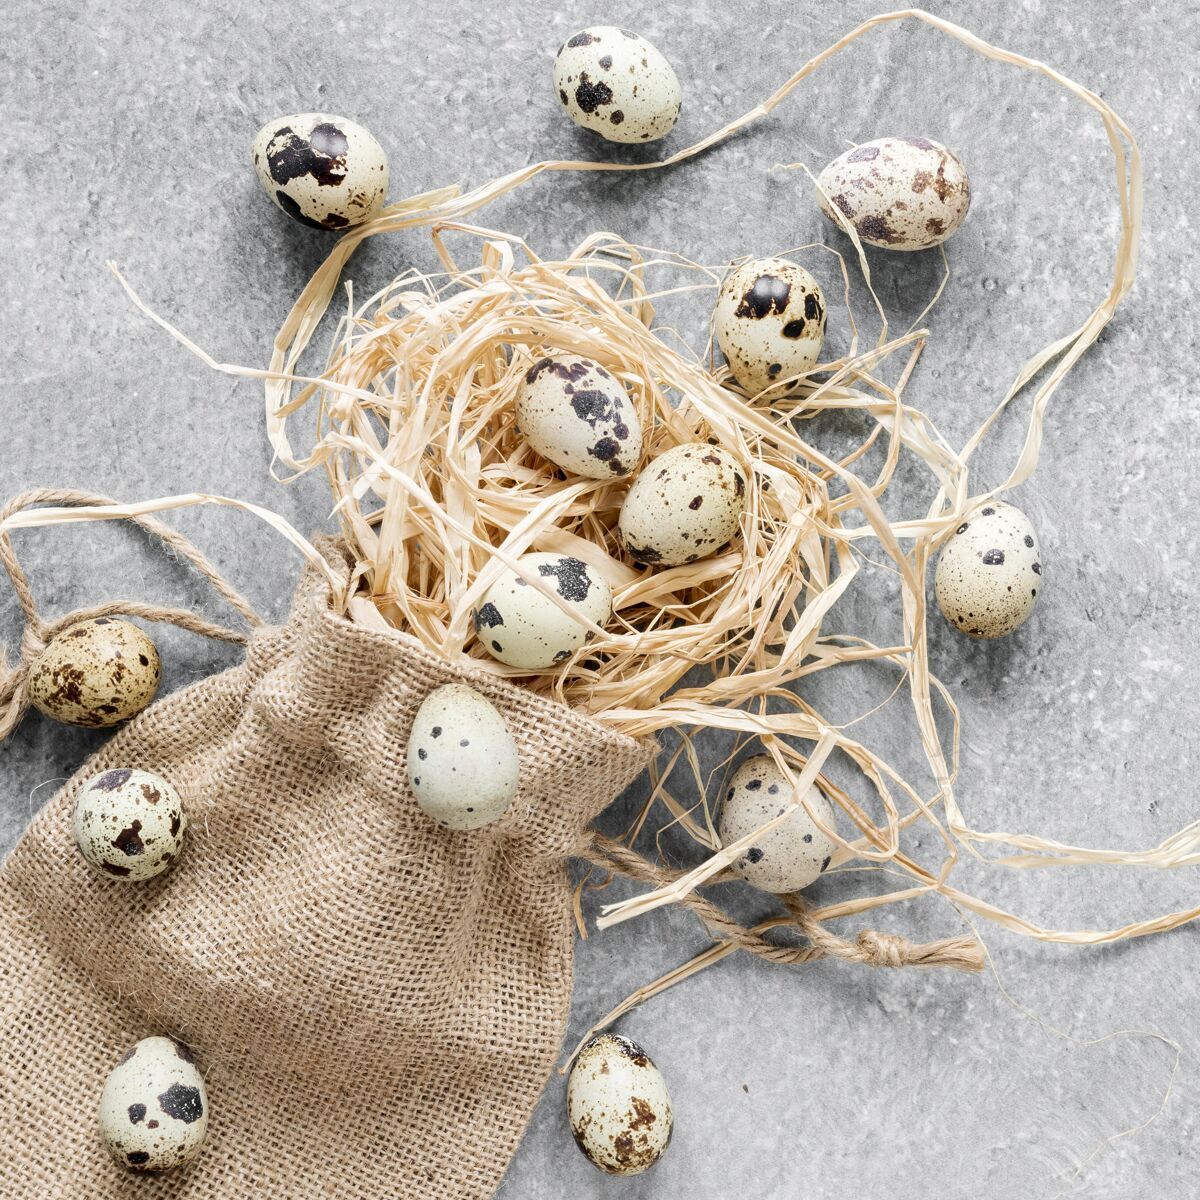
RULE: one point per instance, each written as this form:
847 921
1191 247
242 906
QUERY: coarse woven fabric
376 1002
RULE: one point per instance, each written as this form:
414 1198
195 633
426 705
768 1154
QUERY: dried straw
436 491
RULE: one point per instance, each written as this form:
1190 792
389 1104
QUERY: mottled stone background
127 128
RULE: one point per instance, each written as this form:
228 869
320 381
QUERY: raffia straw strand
413 428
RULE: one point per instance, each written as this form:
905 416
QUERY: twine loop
38 633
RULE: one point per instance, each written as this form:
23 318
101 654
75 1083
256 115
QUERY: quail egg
96 673
618 1106
684 504
327 172
573 412
769 322
462 761
128 823
154 1109
989 573
902 193
519 626
792 854
615 83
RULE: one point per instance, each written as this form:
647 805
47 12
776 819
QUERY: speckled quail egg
154 1109
573 412
615 83
462 761
618 1106
769 322
128 823
521 627
903 193
683 505
990 572
96 673
327 172
792 854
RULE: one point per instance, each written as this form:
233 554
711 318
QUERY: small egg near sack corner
619 1106
901 193
794 853
617 84
519 626
327 172
463 765
769 322
128 824
989 573
684 505
95 673
574 413
154 1109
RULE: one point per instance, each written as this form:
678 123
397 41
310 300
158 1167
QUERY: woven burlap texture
376 1002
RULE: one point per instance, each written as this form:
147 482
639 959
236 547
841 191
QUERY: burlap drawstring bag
376 1001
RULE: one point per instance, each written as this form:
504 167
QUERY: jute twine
14 698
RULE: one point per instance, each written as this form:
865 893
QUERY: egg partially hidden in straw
789 856
326 171
619 1106
902 193
617 84
519 626
769 322
684 505
573 412
128 824
463 765
154 1109
990 572
95 673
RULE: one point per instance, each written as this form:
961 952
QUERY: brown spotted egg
519 626
990 572
96 673
684 505
792 854
129 824
769 322
616 83
154 1109
327 172
463 765
619 1106
902 193
573 412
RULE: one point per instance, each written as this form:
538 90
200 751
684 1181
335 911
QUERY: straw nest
413 421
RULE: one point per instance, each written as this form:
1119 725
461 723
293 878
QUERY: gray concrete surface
127 128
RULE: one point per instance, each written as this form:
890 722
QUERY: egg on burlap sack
322 947
154 1109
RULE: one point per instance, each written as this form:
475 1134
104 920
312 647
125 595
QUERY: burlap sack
376 1002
